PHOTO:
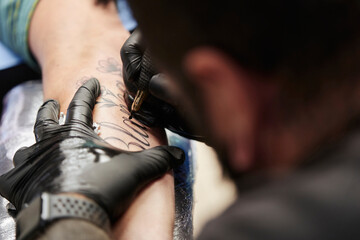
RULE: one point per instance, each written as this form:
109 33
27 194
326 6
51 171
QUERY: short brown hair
296 39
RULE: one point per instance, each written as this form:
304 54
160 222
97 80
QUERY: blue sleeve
15 16
126 15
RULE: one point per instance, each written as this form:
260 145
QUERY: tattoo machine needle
146 72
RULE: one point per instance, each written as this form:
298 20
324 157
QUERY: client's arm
77 40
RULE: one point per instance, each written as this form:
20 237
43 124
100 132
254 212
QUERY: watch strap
48 208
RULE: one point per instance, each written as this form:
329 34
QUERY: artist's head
258 70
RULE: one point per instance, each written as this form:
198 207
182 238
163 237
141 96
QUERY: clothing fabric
15 18
319 201
126 16
7 58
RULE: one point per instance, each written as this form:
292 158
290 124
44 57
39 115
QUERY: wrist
48 209
74 229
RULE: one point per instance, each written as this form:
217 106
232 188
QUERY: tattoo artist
275 87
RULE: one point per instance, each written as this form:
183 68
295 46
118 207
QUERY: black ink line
140 135
136 131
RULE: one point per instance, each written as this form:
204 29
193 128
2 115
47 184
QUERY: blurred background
212 193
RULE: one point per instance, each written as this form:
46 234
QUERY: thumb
118 181
163 156
155 162
175 155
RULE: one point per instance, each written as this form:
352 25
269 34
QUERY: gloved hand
159 108
72 158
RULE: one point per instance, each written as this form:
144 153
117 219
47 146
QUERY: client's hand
160 108
71 158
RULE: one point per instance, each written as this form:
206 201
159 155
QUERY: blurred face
222 100
189 101
203 115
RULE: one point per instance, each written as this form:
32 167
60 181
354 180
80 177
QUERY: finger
82 105
157 161
131 55
134 44
174 155
163 89
49 111
20 156
5 187
47 115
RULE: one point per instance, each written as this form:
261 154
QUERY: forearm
68 38
74 41
74 229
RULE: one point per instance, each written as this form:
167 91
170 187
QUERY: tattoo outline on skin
133 129
108 99
110 65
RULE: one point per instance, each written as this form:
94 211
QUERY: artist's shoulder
307 205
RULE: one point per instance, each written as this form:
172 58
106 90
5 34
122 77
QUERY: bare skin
77 40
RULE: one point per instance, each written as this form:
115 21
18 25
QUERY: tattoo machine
146 72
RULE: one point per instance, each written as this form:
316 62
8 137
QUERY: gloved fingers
47 115
134 44
131 55
10 182
49 111
157 161
5 187
82 105
164 89
20 156
136 39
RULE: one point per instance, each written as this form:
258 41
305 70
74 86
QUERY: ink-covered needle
147 71
139 99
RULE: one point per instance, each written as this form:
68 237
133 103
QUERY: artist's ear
231 98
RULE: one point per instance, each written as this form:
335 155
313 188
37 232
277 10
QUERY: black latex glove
159 108
72 159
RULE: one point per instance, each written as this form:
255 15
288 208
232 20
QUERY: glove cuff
48 208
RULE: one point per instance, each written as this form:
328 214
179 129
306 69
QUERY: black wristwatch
48 208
